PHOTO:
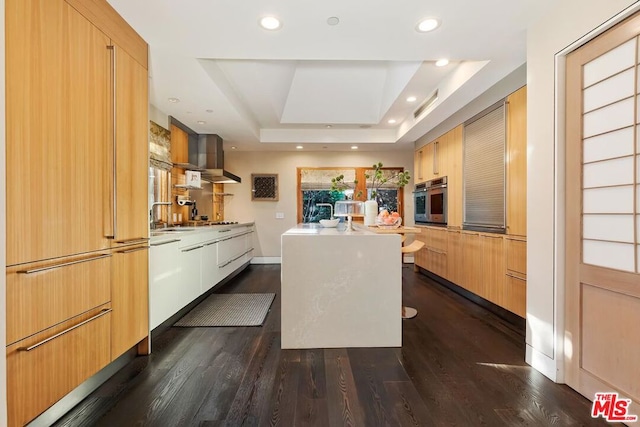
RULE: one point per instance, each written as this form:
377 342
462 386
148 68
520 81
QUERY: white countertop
162 234
318 230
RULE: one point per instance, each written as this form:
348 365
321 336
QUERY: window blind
484 171
320 179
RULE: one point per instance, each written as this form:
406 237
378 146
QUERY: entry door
603 215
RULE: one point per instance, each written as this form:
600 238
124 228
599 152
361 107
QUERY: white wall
239 207
568 21
3 234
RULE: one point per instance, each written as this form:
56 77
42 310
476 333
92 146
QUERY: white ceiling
324 86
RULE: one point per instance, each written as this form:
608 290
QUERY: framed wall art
264 186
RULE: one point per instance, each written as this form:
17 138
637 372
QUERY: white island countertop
340 288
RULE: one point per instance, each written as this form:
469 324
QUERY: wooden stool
415 246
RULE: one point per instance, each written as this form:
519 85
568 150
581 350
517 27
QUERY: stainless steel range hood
207 157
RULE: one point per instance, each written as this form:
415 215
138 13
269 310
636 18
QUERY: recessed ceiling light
442 62
333 20
427 24
201 122
411 99
365 126
391 121
233 147
270 23
173 100
299 147
354 147
209 111
328 126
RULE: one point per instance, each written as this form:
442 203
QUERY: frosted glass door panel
609 145
606 119
619 256
612 62
608 172
615 228
608 91
608 200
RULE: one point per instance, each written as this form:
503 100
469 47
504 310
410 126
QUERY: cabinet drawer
39 375
515 297
43 294
517 256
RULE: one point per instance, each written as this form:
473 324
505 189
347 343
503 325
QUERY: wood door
472 254
493 268
517 162
602 257
129 298
455 262
43 368
454 174
131 148
57 82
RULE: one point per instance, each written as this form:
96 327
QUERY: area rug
229 310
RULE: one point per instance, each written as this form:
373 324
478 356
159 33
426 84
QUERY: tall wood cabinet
77 151
516 164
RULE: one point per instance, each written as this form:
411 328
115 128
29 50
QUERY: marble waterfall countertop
340 288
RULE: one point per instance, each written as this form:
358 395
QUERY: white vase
370 212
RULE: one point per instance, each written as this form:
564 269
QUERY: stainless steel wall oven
430 202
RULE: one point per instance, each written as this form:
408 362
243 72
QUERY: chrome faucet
154 204
327 204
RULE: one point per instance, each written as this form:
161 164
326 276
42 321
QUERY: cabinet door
440 162
428 162
418 170
131 148
493 268
129 298
517 162
164 281
190 276
454 181
209 266
455 265
44 367
57 125
420 257
472 254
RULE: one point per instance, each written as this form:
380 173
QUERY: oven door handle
438 186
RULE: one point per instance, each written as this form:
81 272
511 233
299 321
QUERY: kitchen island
340 289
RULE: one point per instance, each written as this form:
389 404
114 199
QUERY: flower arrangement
338 184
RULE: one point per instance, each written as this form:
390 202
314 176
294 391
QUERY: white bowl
330 223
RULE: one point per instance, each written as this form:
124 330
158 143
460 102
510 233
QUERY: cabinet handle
114 165
224 231
64 264
165 243
84 322
490 236
192 249
420 164
435 158
236 258
438 252
516 277
137 239
128 251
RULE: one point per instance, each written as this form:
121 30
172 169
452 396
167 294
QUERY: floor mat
229 310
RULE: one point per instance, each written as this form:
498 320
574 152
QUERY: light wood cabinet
454 180
44 367
516 167
77 160
57 120
433 256
493 268
49 292
516 276
472 254
455 266
129 298
131 148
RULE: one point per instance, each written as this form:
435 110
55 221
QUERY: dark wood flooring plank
311 406
342 396
284 395
409 408
254 391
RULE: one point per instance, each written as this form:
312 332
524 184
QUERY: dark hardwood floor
459 365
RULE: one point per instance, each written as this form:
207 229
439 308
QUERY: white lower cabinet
210 274
164 279
185 267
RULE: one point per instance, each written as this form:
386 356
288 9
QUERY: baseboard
266 260
513 319
541 362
